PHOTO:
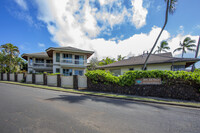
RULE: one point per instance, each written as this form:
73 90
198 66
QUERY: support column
8 76
45 79
16 77
75 81
33 78
1 76
58 80
24 77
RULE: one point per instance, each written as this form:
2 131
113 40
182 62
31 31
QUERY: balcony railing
42 65
74 61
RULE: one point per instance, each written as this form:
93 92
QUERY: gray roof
153 59
69 49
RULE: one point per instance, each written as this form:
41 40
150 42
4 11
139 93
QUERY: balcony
73 62
42 65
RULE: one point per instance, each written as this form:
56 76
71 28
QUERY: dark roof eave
195 60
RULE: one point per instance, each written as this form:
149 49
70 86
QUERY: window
79 72
57 70
178 68
39 60
67 72
131 69
57 57
79 59
116 72
49 61
67 58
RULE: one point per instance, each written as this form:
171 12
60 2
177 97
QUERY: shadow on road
82 98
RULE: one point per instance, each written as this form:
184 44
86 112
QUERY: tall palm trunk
182 52
196 54
166 19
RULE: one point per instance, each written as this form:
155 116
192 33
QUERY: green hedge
128 78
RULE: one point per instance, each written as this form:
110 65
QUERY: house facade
163 61
65 60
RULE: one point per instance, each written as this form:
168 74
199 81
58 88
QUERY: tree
11 51
171 7
163 47
106 61
93 63
187 44
119 57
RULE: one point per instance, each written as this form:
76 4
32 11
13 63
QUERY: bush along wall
175 84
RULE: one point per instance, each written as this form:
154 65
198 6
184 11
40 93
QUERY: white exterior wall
67 81
52 80
39 79
58 64
5 76
82 81
12 77
19 77
29 78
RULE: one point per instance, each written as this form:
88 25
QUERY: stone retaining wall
176 90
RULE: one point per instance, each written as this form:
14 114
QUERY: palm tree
187 44
11 51
171 7
106 61
163 47
119 57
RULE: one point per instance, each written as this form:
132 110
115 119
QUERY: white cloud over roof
74 23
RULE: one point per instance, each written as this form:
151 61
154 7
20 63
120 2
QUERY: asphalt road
34 110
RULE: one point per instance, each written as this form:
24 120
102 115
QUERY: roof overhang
188 63
25 56
51 49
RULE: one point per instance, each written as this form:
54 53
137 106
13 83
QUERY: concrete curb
117 98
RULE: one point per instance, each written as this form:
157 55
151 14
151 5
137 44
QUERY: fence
74 81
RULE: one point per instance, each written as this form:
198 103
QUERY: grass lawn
129 97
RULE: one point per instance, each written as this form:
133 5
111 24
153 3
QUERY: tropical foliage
120 57
10 62
163 47
128 78
106 61
188 44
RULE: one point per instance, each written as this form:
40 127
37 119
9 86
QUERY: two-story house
65 60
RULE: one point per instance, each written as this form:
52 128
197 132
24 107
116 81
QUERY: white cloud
41 45
72 23
22 4
139 13
175 41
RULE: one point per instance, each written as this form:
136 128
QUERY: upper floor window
79 59
67 58
179 67
39 60
57 57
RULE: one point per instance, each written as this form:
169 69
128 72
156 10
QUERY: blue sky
109 27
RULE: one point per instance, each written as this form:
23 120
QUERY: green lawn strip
104 94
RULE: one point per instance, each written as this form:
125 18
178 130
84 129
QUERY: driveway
33 110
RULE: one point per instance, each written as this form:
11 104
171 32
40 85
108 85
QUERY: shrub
102 77
128 78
